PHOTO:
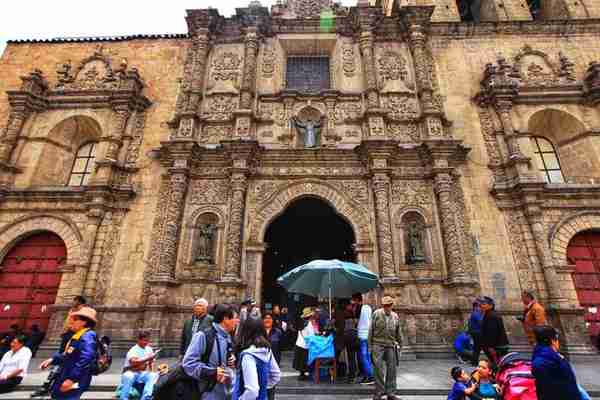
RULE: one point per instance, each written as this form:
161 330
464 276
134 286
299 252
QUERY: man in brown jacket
533 315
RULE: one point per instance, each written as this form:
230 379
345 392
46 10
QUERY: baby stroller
515 378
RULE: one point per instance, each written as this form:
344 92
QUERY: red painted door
29 280
584 252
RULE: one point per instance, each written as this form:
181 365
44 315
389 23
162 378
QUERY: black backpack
177 385
103 356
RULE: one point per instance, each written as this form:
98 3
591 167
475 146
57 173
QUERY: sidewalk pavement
428 375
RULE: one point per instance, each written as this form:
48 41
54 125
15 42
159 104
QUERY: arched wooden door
29 280
584 252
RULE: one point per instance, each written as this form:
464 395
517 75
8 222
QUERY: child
460 391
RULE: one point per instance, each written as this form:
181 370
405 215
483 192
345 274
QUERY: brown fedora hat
86 312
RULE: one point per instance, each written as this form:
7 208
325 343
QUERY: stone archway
567 229
275 204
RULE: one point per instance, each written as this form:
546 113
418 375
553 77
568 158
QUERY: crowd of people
234 352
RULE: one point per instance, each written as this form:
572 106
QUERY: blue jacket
194 367
76 364
554 377
475 322
463 343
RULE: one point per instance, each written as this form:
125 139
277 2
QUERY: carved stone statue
205 248
415 251
310 131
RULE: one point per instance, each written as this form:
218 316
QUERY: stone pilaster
381 190
95 216
110 144
239 185
249 77
368 57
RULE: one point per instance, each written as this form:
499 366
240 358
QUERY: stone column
249 77
504 113
191 90
95 216
458 271
239 184
381 186
16 120
368 57
417 21
110 144
178 185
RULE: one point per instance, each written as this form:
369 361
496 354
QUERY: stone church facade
465 157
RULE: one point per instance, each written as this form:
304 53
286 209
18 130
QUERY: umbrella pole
330 315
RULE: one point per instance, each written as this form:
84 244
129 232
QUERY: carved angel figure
310 130
415 244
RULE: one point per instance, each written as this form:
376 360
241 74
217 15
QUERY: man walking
385 340
533 315
212 373
493 335
363 313
138 367
200 321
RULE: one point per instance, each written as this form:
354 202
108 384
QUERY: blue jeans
365 358
130 378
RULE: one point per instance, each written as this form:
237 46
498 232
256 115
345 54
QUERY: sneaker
368 381
43 392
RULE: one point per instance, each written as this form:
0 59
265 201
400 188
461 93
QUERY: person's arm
192 360
539 316
251 384
87 354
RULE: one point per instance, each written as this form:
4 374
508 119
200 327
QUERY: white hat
201 302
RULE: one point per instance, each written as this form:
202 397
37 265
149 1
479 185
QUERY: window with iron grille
547 160
83 165
307 74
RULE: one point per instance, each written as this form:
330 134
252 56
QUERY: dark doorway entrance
309 229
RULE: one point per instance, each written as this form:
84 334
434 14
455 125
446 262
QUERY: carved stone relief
271 111
429 293
269 62
112 223
401 107
215 133
348 60
94 72
408 132
219 107
412 193
209 191
225 66
308 8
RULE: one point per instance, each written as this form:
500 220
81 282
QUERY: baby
460 390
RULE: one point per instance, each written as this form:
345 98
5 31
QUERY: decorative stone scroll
209 191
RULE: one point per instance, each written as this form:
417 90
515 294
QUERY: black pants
8 385
500 352
476 348
352 353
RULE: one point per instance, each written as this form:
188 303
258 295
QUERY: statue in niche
206 243
310 131
415 243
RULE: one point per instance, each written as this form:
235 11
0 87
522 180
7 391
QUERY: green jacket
385 329
186 333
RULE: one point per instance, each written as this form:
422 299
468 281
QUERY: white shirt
137 352
13 361
364 322
308 330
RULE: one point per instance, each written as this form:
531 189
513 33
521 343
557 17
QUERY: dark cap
486 300
545 334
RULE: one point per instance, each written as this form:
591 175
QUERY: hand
66 386
46 363
231 361
220 375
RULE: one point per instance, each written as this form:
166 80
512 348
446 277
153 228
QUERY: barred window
547 160
83 165
307 74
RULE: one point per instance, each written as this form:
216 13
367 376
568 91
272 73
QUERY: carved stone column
111 143
239 184
16 119
417 21
178 185
368 57
95 216
381 189
249 78
457 271
504 112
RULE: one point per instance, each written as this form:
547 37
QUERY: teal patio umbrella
331 278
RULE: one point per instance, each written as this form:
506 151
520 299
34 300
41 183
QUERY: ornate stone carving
400 107
408 132
428 293
376 126
239 183
112 222
225 66
219 107
133 150
215 133
269 62
348 57
381 183
355 189
412 193
392 67
308 8
209 191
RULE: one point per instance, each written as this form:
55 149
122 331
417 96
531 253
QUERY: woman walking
258 370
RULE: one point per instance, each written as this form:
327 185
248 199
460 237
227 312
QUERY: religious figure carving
206 241
310 131
415 249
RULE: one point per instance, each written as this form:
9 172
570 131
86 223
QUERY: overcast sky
28 19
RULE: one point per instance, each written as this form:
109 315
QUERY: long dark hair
252 333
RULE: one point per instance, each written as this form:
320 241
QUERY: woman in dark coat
554 377
274 335
494 340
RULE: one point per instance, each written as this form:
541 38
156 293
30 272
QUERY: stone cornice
460 30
